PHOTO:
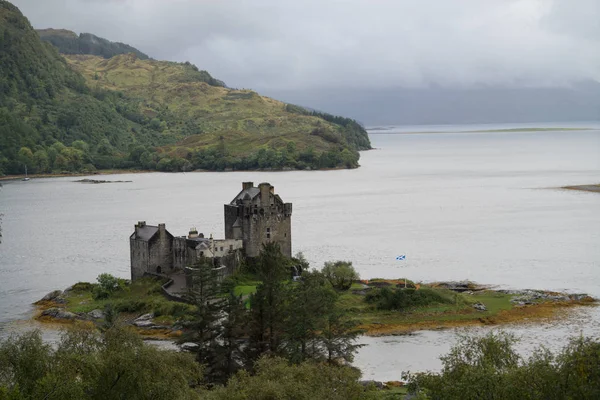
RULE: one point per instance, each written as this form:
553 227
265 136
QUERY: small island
378 306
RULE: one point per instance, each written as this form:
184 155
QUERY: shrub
107 285
340 274
400 299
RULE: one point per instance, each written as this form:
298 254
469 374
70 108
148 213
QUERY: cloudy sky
279 46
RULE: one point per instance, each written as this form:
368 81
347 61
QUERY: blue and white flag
401 258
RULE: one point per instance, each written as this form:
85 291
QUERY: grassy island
424 306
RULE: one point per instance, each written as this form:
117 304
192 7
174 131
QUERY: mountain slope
179 92
91 112
68 42
45 105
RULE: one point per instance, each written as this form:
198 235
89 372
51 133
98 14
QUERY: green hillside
87 112
68 42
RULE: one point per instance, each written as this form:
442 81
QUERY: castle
256 216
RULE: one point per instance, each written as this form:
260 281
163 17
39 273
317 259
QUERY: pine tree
311 300
268 304
230 356
205 329
339 336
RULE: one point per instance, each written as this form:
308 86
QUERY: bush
489 368
401 299
340 274
107 285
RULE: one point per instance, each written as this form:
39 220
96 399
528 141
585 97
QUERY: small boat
26 178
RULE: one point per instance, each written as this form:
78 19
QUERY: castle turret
257 215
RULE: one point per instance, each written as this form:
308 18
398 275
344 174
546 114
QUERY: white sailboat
26 178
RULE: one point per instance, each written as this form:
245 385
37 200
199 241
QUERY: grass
443 315
391 393
142 296
244 290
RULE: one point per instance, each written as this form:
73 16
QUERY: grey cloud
281 45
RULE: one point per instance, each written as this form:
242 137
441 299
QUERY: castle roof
145 232
250 192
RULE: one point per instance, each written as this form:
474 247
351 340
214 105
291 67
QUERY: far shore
383 131
137 171
75 174
586 188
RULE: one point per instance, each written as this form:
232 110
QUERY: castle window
201 254
268 236
221 248
285 235
230 247
268 229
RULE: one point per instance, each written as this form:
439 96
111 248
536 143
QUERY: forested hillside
88 113
68 42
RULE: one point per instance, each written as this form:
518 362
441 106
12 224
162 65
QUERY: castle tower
258 216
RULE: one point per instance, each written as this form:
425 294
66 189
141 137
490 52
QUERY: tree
339 336
268 304
41 161
204 331
340 274
310 301
26 157
276 379
488 367
87 365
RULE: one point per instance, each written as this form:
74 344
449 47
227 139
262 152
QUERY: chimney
193 233
141 224
247 185
272 189
265 190
162 229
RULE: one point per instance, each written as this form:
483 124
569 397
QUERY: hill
88 112
68 42
49 118
181 100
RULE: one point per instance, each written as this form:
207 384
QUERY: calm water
479 206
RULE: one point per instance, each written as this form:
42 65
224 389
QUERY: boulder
143 324
96 314
59 313
480 307
52 295
145 317
60 300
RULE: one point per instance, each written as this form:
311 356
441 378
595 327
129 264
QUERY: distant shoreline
384 131
594 188
74 174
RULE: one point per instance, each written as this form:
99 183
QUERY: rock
52 295
143 324
145 317
60 300
581 297
480 307
58 313
96 314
